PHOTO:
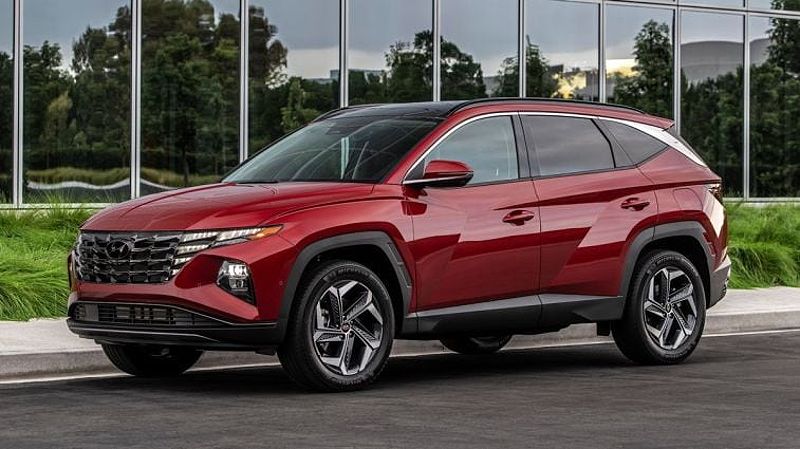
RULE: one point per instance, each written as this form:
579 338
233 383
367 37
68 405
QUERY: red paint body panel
586 232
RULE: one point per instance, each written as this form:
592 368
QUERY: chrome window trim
444 136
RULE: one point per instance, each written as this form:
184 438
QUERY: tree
650 86
540 80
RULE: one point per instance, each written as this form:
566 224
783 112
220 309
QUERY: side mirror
442 173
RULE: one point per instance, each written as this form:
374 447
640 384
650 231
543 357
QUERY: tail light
716 191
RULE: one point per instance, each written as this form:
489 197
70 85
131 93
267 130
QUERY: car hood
219 206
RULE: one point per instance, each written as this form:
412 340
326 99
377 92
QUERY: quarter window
637 144
568 145
486 145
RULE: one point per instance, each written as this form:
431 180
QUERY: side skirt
523 315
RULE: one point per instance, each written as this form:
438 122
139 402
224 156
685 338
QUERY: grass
764 246
33 251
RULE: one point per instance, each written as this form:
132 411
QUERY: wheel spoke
655 308
681 295
347 353
665 331
686 327
359 306
327 336
372 341
336 318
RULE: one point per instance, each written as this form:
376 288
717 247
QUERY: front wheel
151 361
665 311
476 345
340 335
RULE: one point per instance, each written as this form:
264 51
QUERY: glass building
105 100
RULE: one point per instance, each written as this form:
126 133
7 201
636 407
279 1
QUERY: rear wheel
340 335
152 361
476 345
665 310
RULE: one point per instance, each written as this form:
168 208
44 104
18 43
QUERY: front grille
135 258
138 314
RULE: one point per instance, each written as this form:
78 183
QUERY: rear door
592 202
478 242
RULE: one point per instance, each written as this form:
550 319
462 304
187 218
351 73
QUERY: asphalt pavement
735 392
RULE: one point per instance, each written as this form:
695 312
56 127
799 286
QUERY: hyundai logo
118 249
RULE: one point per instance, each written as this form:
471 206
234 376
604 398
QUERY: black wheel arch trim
658 232
378 239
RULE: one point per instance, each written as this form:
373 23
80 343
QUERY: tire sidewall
325 277
651 265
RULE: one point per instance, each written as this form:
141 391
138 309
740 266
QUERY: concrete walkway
43 348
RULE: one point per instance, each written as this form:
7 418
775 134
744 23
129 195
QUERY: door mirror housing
443 173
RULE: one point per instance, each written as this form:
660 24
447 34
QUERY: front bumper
167 325
719 282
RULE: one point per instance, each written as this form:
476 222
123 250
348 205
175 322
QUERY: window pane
76 100
294 65
6 97
712 61
479 49
774 107
562 49
360 149
639 58
190 92
720 3
792 5
486 145
638 145
391 51
568 145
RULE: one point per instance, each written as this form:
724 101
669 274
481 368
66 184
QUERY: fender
691 229
378 239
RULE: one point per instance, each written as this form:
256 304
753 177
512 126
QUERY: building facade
105 100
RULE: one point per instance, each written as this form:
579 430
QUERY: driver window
486 145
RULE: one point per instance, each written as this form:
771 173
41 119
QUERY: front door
479 242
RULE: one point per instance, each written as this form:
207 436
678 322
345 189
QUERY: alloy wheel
670 308
347 328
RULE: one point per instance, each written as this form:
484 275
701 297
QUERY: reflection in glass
76 100
190 92
639 58
774 107
792 5
712 61
479 49
293 67
390 57
562 49
720 3
6 97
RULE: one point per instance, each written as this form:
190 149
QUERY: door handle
634 203
518 217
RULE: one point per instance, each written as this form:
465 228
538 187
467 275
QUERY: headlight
194 242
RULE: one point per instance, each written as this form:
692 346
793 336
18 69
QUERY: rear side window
637 144
568 145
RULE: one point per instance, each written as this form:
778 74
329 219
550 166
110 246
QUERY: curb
21 366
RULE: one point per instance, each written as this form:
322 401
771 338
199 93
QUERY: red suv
466 222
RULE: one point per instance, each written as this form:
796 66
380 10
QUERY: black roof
441 109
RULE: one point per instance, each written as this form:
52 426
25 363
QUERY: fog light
234 277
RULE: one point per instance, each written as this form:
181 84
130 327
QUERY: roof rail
540 100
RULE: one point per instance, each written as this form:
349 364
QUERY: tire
476 345
333 317
654 330
152 361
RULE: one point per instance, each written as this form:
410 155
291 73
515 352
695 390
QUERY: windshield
349 149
